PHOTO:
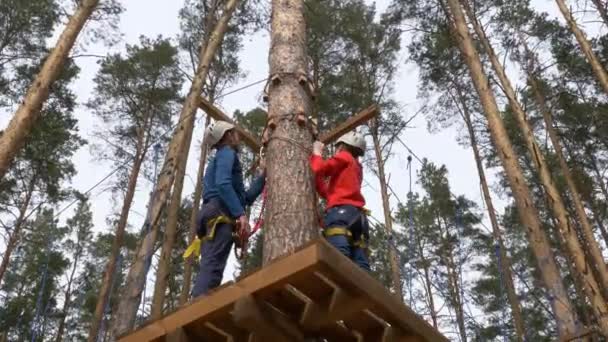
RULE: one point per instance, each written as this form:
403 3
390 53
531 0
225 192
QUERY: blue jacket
224 180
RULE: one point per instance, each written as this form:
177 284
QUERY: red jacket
338 179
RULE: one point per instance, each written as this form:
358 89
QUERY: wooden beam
263 321
248 138
340 306
350 124
179 335
221 301
348 275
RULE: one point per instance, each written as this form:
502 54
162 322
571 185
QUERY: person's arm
330 166
224 160
255 188
321 185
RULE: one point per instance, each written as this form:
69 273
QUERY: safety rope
411 234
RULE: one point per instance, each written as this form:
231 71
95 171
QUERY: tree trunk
562 309
453 283
388 219
593 287
505 265
68 296
428 285
597 67
127 309
587 230
119 235
290 216
601 8
14 238
14 136
164 264
198 191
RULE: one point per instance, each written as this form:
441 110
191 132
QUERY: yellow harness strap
333 231
195 246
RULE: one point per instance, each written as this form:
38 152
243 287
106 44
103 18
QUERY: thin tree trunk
164 264
119 236
14 136
290 216
597 67
428 285
587 230
594 287
68 296
453 283
505 264
388 220
14 238
601 8
565 316
127 309
198 190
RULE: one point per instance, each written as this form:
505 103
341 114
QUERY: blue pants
214 253
350 217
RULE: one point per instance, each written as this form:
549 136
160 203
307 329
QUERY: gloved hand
317 148
243 224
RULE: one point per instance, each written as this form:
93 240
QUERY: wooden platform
313 293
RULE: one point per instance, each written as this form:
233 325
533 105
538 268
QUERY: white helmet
216 130
353 139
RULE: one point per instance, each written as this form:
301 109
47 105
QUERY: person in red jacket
338 180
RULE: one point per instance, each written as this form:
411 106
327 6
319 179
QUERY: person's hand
243 224
317 148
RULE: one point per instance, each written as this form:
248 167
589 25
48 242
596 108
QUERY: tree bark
14 239
388 219
164 264
14 136
198 191
593 287
127 309
597 67
505 265
565 316
119 236
290 216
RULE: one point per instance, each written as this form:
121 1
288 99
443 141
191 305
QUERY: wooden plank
350 124
338 306
348 275
266 280
248 138
249 314
179 335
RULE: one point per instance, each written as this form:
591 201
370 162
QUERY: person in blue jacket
224 202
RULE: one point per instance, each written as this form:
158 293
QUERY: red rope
260 220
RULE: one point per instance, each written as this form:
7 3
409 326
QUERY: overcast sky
160 17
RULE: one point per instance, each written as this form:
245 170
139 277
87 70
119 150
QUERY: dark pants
214 253
349 217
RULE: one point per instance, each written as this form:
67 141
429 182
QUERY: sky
160 17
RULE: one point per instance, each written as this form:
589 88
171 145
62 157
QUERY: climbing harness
195 246
239 235
343 230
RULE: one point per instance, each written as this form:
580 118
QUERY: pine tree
136 95
41 167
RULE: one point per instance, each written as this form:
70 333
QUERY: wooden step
313 293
